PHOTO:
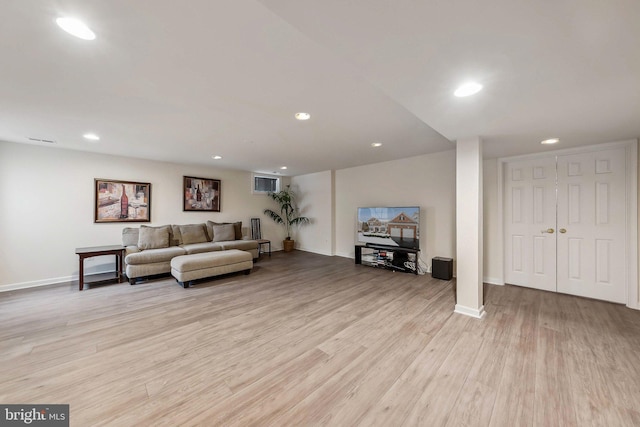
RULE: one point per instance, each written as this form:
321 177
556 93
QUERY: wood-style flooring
312 340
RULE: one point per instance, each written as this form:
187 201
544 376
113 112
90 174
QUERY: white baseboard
478 313
493 281
36 283
45 282
345 255
314 251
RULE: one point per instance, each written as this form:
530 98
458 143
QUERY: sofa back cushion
193 233
153 237
130 236
176 237
223 232
237 228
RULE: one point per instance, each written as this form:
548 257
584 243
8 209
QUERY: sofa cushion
237 228
154 255
223 232
193 233
130 236
198 248
177 237
153 237
147 269
243 245
130 250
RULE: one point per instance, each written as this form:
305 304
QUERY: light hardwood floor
314 340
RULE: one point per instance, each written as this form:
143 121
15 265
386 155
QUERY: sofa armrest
131 250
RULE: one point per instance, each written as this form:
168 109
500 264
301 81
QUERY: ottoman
187 268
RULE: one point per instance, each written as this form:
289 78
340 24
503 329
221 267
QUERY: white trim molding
493 281
36 283
633 299
471 312
73 279
315 251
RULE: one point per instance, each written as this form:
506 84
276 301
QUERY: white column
469 292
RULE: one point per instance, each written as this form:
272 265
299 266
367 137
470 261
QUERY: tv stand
382 256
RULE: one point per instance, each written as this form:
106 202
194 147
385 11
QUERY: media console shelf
388 257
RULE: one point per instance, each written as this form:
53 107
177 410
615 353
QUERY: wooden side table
83 253
264 242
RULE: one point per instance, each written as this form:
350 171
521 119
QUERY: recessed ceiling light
216 157
550 141
468 89
376 144
76 28
91 137
303 116
283 167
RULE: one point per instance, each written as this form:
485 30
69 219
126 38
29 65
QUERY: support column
469 291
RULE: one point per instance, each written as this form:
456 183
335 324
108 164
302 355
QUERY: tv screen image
390 226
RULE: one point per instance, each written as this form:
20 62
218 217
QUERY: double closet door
565 219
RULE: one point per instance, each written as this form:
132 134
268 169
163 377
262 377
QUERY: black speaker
442 268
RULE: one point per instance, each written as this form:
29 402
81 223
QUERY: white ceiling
182 81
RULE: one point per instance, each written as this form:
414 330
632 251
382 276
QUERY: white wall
46 208
315 200
428 181
492 224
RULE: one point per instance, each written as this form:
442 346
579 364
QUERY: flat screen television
393 226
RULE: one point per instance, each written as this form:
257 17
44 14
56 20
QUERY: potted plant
288 215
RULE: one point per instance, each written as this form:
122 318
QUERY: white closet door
591 225
530 221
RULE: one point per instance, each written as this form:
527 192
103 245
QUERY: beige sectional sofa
149 250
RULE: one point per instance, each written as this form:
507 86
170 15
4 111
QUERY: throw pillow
130 236
223 233
169 228
193 233
153 237
237 228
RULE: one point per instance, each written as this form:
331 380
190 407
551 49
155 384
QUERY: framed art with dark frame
201 194
122 201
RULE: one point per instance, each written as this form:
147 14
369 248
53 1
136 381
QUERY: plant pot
288 245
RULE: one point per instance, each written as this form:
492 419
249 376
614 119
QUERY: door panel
530 210
591 208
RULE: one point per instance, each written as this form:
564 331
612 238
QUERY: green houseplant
288 215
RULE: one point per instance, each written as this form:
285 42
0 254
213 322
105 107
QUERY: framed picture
122 201
201 194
